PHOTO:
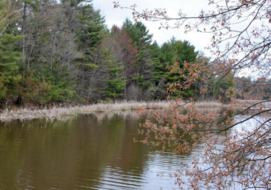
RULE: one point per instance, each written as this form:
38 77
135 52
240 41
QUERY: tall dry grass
208 104
252 104
60 112
57 112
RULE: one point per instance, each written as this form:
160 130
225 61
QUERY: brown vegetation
241 39
58 112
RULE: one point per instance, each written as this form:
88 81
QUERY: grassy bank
58 112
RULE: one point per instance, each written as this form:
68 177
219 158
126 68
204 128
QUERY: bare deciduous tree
241 37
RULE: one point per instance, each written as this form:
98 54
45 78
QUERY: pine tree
122 48
142 41
177 52
10 54
116 83
90 33
160 70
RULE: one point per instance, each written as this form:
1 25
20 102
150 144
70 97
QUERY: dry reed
60 112
57 112
208 104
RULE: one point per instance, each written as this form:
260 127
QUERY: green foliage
170 53
139 33
92 66
90 32
224 85
188 93
27 1
9 52
3 89
42 91
69 54
34 90
58 94
107 101
91 24
184 52
142 41
116 83
159 72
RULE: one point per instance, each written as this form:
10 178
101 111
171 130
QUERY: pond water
86 152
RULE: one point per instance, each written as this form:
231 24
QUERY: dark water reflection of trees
72 154
89 151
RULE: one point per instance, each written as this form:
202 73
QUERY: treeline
53 51
259 89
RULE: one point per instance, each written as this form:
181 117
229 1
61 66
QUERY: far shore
58 112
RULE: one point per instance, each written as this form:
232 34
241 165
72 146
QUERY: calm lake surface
86 152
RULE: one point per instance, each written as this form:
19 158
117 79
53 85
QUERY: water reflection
87 152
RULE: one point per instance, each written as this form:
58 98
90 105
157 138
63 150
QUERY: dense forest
63 52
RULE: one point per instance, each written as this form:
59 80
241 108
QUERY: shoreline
24 114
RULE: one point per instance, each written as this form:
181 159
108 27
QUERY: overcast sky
190 7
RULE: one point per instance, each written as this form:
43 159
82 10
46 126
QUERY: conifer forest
62 52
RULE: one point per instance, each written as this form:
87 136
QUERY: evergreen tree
9 57
142 41
176 53
159 72
68 54
50 52
223 86
90 33
116 83
124 51
10 53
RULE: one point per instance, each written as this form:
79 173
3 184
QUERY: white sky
190 7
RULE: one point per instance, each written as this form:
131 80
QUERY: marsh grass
58 112
208 104
72 111
253 104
